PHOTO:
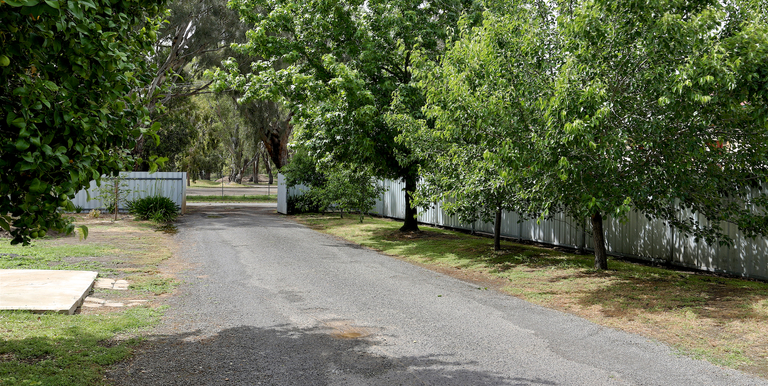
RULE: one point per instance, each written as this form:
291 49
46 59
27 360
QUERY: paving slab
44 290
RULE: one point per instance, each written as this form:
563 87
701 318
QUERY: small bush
308 202
156 208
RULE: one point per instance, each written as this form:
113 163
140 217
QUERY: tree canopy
659 108
69 110
340 66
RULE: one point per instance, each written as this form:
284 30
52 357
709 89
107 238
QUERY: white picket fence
634 236
139 184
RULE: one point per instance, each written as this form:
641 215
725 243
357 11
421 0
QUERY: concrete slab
44 290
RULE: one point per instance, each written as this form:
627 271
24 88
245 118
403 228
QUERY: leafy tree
351 189
483 98
68 112
346 187
339 66
660 107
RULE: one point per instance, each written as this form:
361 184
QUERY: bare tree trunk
598 236
256 169
411 224
497 231
269 169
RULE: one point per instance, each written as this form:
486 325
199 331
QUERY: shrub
310 201
156 208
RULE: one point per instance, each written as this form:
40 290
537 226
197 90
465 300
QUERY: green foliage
660 108
351 189
340 66
344 188
482 98
68 106
310 201
303 170
156 208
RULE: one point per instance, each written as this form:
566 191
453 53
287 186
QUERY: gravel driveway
266 301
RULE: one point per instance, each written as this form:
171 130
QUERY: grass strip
720 319
243 198
56 349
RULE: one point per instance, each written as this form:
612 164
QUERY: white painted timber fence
138 185
634 236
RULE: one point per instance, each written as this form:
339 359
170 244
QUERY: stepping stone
120 285
44 290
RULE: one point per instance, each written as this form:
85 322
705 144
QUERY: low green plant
155 208
311 201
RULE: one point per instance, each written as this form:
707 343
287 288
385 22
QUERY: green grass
243 198
55 349
720 319
44 254
152 284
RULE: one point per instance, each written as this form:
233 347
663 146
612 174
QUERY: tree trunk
601 258
269 170
256 169
411 224
188 177
497 231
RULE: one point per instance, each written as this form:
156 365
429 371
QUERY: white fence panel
634 236
140 184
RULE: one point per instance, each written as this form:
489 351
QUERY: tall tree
660 107
342 66
68 113
482 96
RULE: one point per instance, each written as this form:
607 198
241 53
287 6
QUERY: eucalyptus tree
660 107
68 113
338 66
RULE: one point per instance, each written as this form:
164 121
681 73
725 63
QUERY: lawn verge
719 319
56 349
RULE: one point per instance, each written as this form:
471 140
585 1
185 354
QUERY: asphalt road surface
268 302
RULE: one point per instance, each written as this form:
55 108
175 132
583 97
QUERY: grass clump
155 208
721 319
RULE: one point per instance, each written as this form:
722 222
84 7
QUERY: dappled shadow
712 297
479 250
286 355
70 356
